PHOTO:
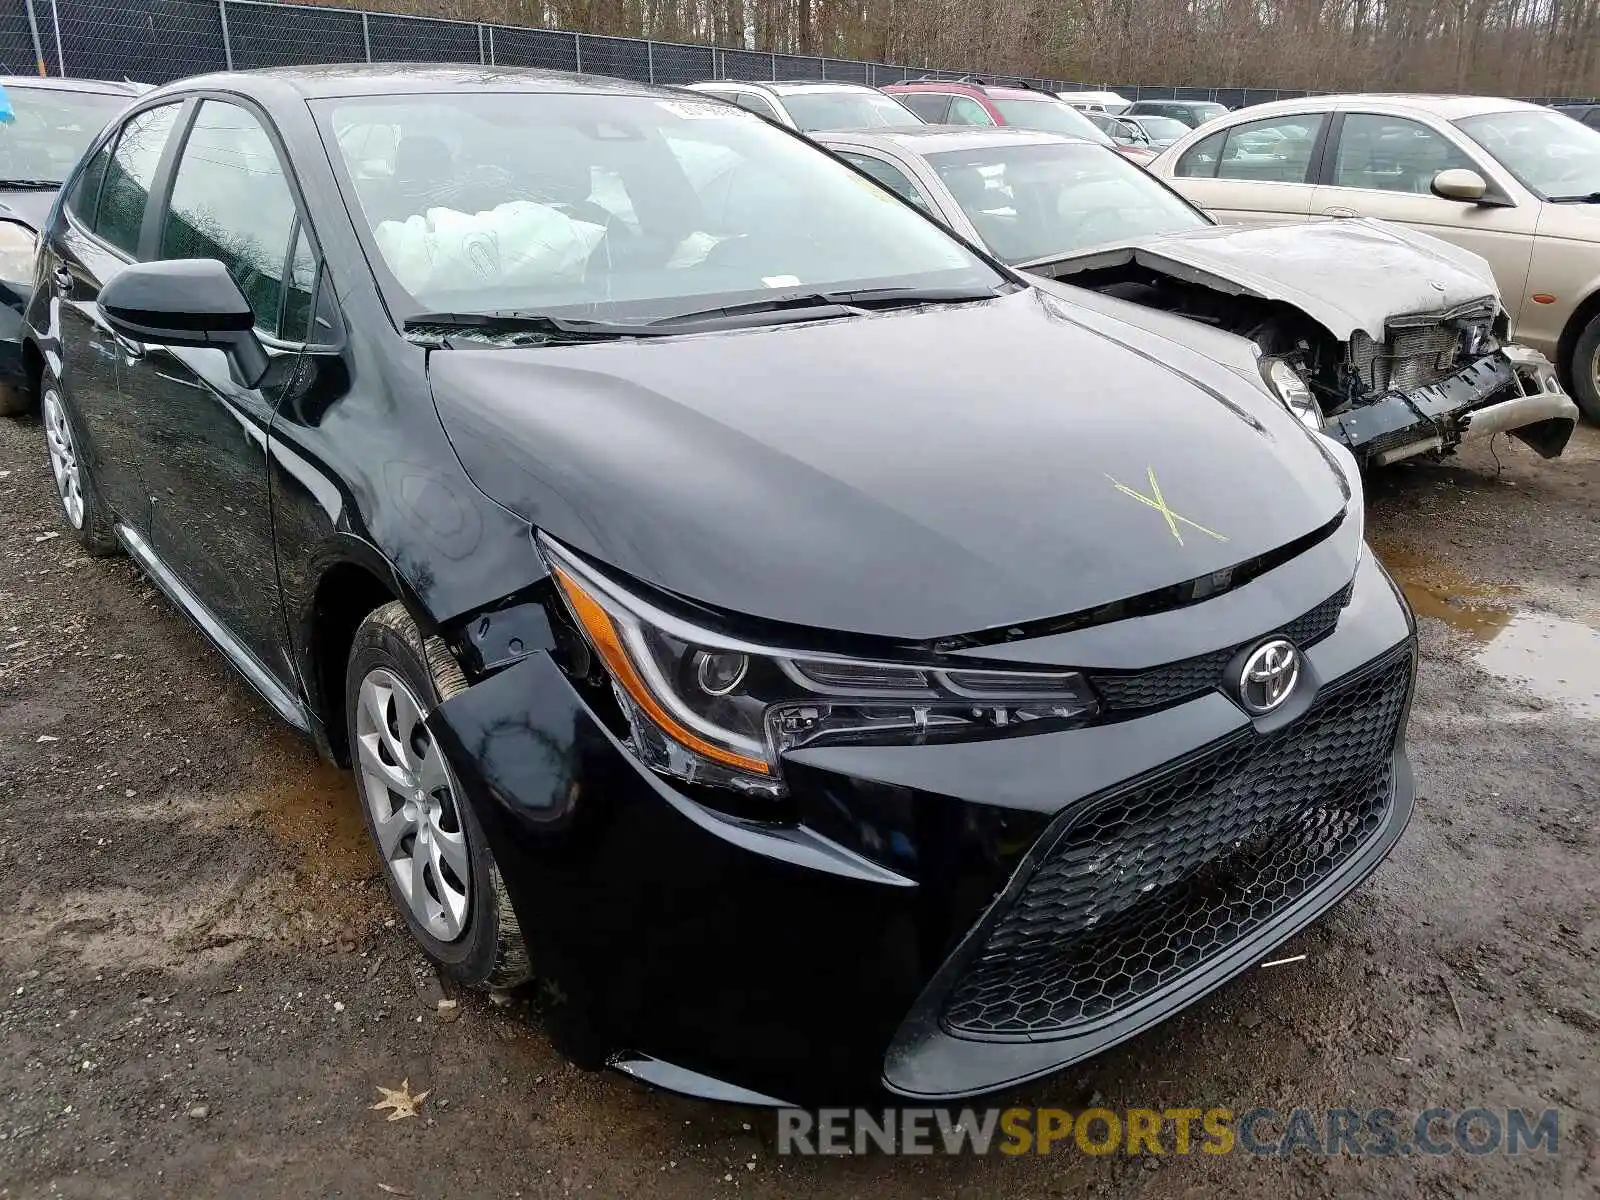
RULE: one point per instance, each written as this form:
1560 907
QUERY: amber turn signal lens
607 641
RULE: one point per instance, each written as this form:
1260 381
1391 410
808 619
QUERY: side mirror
187 302
1459 184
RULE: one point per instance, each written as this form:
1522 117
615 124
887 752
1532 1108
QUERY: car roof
784 87
330 80
791 87
108 87
1449 108
939 85
1184 103
1005 91
933 139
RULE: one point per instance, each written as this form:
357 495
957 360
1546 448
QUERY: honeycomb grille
1190 676
1154 883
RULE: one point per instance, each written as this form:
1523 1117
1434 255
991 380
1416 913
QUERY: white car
1102 102
809 105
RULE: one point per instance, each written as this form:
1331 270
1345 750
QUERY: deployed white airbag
514 243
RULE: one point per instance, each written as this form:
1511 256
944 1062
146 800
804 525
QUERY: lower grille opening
1150 885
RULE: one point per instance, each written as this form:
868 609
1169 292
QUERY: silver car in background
1390 341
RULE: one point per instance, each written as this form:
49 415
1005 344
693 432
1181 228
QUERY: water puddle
1556 659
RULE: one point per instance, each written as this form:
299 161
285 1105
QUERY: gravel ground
201 989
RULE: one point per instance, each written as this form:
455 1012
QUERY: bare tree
1500 47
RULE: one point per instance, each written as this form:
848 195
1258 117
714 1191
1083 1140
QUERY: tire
1586 371
464 921
85 512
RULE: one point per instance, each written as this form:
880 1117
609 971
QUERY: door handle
62 279
1340 211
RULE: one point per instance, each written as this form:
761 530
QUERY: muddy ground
201 989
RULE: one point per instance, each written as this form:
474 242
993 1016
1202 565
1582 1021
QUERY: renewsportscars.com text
1377 1132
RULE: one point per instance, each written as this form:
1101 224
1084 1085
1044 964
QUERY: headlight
1289 387
19 250
713 709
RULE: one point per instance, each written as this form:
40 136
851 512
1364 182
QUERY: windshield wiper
533 328
40 185
1589 198
826 304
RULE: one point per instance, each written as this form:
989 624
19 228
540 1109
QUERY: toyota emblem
1269 675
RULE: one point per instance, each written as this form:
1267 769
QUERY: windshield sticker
777 281
6 115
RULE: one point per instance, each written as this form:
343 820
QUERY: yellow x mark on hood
1159 502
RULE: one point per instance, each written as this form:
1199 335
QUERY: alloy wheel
411 794
63 457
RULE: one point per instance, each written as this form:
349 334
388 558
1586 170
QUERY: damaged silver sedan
1388 340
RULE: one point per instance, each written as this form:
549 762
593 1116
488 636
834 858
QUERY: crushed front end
1436 381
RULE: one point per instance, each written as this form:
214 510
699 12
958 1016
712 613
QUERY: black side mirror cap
187 302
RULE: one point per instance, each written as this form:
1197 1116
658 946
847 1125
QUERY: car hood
1345 275
908 475
29 206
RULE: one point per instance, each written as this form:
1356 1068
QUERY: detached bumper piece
1136 905
1514 390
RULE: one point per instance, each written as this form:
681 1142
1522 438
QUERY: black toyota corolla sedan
826 658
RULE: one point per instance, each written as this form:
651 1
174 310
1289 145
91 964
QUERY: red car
971 102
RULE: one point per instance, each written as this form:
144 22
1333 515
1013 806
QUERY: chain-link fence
155 41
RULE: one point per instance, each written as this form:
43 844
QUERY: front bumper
819 960
1514 390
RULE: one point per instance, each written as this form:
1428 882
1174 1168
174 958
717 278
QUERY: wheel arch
346 591
33 365
1587 310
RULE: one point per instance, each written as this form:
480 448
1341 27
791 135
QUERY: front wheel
1586 370
80 500
436 863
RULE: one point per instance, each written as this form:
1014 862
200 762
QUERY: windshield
1163 129
1550 154
1033 202
846 109
1053 116
50 130
618 208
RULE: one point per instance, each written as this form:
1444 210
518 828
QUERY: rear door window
1200 160
129 172
930 106
1277 150
86 192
